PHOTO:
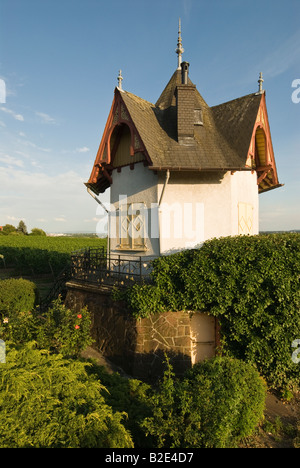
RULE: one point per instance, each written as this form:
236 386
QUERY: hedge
250 283
17 295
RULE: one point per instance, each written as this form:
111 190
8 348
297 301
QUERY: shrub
47 401
250 283
64 331
59 330
130 396
215 405
17 295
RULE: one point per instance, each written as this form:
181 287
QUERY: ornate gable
121 145
260 154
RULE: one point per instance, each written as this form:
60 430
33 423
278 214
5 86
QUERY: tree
37 232
22 229
8 229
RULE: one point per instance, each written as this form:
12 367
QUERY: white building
181 172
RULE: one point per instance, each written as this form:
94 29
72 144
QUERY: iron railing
96 266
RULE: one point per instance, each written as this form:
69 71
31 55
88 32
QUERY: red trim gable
103 164
260 154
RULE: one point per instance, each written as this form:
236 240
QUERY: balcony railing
96 266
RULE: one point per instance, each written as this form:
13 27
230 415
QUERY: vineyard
40 254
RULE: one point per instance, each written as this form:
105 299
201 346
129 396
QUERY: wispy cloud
10 160
30 144
13 114
84 149
282 58
45 118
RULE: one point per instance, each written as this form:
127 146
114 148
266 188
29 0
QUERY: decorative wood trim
269 166
118 116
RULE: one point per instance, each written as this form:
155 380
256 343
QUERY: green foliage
251 283
130 396
63 330
43 254
17 295
58 330
37 232
216 405
47 401
8 229
22 229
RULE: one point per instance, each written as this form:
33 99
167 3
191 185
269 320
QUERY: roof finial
179 51
260 82
120 78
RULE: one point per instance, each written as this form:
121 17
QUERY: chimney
185 108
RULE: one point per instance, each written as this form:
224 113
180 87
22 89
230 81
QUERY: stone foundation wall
138 346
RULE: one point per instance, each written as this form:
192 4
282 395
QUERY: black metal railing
95 265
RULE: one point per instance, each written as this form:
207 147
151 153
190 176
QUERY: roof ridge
236 99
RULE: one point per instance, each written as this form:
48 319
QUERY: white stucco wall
213 199
195 206
244 189
139 185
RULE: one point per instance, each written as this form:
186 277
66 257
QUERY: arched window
261 151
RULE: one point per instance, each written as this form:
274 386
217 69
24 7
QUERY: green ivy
250 283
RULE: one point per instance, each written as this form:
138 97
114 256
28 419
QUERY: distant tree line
21 229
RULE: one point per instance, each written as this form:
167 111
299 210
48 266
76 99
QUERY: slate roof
221 143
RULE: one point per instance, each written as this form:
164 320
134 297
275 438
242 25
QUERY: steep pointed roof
221 143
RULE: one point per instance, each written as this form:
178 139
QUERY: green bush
216 405
64 331
250 283
17 295
47 401
59 330
130 396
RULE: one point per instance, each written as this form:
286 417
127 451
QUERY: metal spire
179 51
260 82
120 78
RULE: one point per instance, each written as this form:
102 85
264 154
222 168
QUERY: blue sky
59 60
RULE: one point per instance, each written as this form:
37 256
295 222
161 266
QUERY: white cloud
13 114
33 145
91 220
39 196
282 58
84 149
10 160
45 118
